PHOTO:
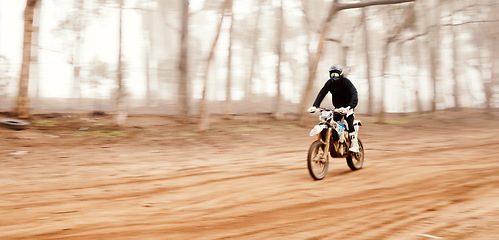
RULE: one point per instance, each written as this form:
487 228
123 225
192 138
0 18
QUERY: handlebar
336 110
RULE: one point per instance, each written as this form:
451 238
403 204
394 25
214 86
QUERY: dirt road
77 178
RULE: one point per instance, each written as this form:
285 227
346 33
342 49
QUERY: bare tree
455 65
279 31
228 86
35 67
417 63
121 113
433 24
22 105
183 63
147 36
203 112
78 27
494 48
370 97
254 60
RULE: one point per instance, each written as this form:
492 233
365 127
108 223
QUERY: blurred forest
198 57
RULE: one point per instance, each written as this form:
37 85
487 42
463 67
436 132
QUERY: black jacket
344 93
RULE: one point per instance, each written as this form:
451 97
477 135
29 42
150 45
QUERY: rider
345 99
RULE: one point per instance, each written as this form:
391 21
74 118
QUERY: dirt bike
332 141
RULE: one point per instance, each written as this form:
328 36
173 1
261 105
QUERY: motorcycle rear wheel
316 161
356 160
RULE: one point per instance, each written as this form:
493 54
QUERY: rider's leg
349 119
354 142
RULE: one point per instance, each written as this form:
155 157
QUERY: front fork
326 142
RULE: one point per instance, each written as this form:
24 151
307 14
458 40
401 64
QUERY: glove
344 110
312 109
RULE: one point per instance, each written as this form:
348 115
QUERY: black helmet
336 72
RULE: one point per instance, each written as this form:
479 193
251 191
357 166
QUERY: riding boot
354 142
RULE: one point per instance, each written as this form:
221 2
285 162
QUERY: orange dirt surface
78 177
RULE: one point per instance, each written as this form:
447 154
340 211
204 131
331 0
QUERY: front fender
317 129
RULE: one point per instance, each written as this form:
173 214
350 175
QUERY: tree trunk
76 93
35 46
146 29
434 51
308 40
494 58
228 87
455 67
183 64
121 113
279 26
22 104
480 67
487 83
76 61
370 99
417 97
254 60
203 112
153 69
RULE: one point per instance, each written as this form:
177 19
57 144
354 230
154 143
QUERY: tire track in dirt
318 209
424 188
121 195
312 211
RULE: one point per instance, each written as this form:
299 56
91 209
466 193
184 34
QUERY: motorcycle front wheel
317 160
